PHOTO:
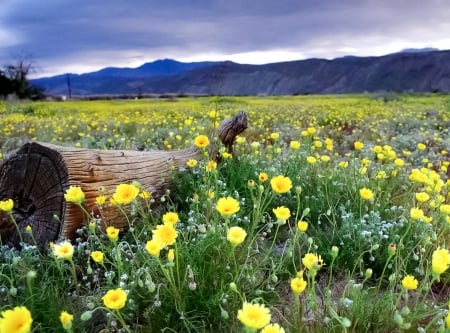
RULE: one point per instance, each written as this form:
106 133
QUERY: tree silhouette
14 80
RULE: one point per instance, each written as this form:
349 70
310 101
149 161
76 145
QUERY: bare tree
14 79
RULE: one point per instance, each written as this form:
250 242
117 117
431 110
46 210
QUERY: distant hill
409 71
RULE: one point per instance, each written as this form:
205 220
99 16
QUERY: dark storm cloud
70 34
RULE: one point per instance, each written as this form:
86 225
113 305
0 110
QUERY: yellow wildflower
100 200
16 320
302 226
366 194
422 197
282 213
192 163
294 145
440 261
115 299
281 184
312 261
125 193
254 316
236 235
298 285
272 328
170 217
211 166
201 141
263 177
112 233
7 205
66 320
63 250
97 256
153 247
165 234
74 194
409 282
358 145
227 206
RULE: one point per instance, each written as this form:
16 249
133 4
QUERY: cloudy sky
79 36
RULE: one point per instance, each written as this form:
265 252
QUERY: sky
80 36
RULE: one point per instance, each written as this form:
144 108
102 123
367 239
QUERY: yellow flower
236 235
399 162
409 282
263 177
294 145
254 316
97 256
358 145
281 184
170 217
74 194
227 206
311 130
274 136
381 174
165 234
100 200
153 247
445 209
63 250
422 197
125 193
17 320
171 255
343 164
366 194
312 261
311 159
421 146
211 166
112 233
66 320
191 163
145 194
325 158
272 328
416 213
226 155
7 205
440 261
302 226
115 299
282 213
201 141
298 285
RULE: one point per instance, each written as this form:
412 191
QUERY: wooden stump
37 175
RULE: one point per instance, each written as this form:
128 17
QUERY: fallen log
37 175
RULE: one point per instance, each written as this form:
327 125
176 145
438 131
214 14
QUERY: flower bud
334 251
85 316
233 287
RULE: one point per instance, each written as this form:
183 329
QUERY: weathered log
37 175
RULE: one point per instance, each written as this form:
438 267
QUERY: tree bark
37 175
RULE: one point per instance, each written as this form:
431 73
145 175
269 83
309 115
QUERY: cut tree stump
37 175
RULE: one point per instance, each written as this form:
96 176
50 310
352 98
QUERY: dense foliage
331 215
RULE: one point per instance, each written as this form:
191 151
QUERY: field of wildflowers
332 214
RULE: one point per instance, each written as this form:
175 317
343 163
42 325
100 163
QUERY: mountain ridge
417 71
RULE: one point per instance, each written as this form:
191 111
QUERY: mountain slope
398 72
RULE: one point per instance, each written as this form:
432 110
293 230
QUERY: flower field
331 214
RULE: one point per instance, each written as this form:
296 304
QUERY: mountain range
407 71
